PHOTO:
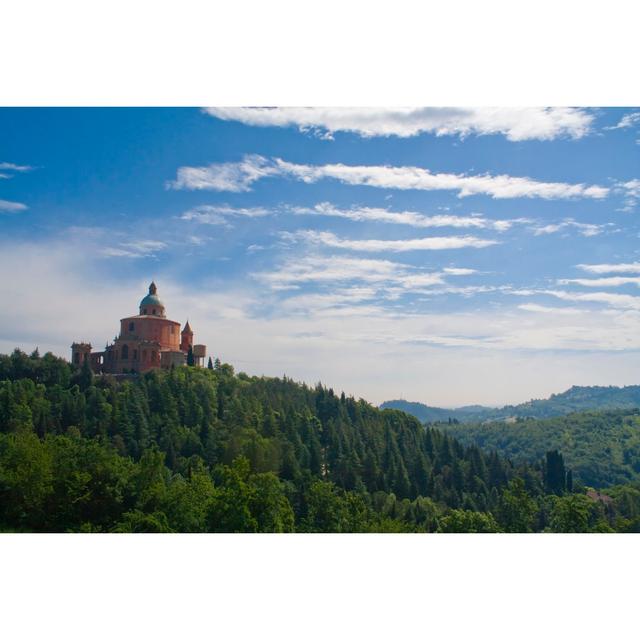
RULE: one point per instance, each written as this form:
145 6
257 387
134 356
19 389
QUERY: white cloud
16 168
628 267
627 121
535 123
391 279
139 249
226 176
584 229
539 308
616 300
616 281
220 214
631 193
411 218
386 177
412 244
455 271
239 176
6 206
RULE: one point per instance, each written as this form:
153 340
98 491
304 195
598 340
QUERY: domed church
146 341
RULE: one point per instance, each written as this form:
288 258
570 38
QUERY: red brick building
148 340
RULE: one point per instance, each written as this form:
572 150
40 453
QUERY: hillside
209 450
573 400
602 448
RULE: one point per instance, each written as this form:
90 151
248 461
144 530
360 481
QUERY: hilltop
573 400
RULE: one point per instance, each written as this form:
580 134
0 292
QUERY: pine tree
210 363
570 481
190 359
554 477
86 375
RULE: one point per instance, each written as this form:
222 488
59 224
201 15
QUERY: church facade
148 340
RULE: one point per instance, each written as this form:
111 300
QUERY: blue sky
448 256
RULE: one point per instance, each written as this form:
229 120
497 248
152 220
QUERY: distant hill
601 447
573 400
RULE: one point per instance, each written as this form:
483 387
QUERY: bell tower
186 338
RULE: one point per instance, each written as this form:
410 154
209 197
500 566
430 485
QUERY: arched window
154 312
76 357
125 352
132 326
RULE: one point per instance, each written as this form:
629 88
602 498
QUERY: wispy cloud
15 168
329 270
6 206
585 229
627 121
616 300
140 249
239 176
540 308
225 176
625 267
412 244
631 193
220 215
614 281
537 123
411 218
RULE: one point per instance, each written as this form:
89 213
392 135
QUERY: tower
80 351
186 338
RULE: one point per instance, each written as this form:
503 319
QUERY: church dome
151 299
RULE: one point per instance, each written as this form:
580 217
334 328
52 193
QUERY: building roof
151 298
187 328
149 316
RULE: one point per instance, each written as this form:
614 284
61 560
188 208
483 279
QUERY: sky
444 255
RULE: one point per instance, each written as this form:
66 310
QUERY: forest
601 447
208 450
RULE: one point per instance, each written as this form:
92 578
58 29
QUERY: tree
461 521
85 378
555 475
516 509
570 514
210 363
190 359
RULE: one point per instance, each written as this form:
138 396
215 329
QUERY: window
132 326
144 354
76 357
125 352
154 312
135 354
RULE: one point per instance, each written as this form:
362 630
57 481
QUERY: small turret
186 338
80 351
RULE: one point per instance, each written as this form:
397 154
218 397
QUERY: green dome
151 299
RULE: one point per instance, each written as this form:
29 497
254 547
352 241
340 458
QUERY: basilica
148 340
